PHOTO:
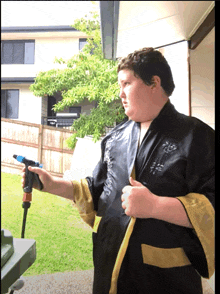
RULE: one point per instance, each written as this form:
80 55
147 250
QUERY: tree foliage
86 75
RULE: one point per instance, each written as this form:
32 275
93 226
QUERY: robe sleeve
88 191
84 202
199 202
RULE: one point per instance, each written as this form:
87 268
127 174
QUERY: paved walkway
69 283
59 283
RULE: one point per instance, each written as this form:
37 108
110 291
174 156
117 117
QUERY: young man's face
137 98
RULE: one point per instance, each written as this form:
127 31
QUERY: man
150 199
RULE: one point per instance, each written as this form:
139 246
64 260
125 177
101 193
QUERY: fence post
61 147
40 143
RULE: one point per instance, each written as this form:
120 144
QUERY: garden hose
25 205
27 198
29 180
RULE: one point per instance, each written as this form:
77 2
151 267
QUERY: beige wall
177 55
157 23
29 105
46 49
202 80
137 27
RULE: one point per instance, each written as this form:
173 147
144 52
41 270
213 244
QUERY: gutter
37 29
20 80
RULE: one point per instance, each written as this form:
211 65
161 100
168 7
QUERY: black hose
25 205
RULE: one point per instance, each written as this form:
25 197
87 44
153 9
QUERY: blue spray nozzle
19 158
26 161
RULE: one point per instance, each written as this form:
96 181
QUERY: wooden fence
38 142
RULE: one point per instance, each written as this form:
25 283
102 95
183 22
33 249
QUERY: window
9 103
17 52
82 43
76 110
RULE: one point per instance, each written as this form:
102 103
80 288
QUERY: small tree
87 75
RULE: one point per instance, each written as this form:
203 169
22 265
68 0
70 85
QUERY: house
25 51
183 31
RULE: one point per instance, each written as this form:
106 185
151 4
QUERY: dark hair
146 63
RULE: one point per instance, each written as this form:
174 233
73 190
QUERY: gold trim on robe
84 201
96 223
164 257
122 249
120 256
201 215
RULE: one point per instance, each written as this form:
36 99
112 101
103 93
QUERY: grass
63 241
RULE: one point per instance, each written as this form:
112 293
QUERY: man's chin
128 113
132 116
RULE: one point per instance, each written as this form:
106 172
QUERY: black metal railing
58 121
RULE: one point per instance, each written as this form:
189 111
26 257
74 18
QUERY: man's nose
122 94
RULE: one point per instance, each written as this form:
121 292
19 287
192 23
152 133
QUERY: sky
44 13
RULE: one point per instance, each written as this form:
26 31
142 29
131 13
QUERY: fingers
36 170
123 205
126 189
123 190
124 197
124 200
23 179
127 193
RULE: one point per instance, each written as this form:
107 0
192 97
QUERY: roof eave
109 13
18 80
36 29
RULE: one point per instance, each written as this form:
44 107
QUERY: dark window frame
5 104
23 56
86 42
82 40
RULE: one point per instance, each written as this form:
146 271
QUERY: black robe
175 159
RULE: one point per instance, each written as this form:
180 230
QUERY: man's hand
46 178
53 185
138 201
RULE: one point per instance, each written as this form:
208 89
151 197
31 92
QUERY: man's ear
155 82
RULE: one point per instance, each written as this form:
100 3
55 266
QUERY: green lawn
63 241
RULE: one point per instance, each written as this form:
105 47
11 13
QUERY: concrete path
69 283
59 283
